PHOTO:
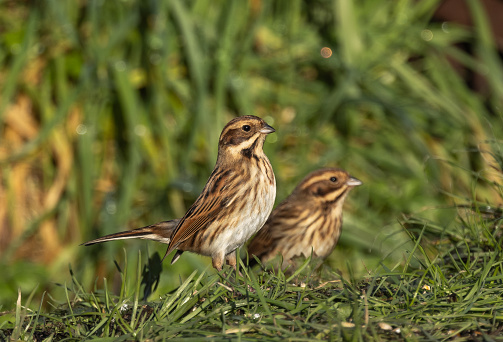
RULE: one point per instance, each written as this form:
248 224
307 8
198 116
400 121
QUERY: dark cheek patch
322 192
233 137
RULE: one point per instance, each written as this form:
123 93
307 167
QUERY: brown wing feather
192 225
203 212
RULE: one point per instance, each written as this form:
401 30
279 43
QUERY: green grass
446 288
452 295
109 119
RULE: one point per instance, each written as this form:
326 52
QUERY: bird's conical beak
266 129
354 182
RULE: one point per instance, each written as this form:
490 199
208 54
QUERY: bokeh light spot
81 129
427 35
326 52
111 208
140 130
120 65
445 27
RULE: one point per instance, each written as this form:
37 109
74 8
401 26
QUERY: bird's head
244 136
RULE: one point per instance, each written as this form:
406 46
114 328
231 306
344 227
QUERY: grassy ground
453 295
109 118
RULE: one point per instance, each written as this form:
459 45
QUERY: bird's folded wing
192 225
216 195
198 217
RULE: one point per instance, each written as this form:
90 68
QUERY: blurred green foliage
110 113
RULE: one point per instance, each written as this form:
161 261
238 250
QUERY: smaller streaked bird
309 220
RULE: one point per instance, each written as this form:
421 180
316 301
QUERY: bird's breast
245 214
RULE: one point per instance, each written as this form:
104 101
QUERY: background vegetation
110 114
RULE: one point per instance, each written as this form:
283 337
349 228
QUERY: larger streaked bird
309 220
234 204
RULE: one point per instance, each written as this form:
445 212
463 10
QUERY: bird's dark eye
246 128
333 179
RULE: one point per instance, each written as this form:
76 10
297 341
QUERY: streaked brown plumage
310 219
234 204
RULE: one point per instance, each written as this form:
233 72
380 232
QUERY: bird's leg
218 261
232 261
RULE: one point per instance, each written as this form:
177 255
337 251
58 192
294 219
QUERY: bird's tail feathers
160 232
